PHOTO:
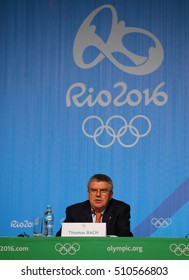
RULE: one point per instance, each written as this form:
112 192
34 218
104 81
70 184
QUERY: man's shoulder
118 203
79 205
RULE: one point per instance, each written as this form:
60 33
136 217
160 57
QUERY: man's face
99 195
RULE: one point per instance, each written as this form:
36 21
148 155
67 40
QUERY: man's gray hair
100 178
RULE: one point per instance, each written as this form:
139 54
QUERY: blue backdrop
94 87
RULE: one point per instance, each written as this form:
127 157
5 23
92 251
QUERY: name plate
83 229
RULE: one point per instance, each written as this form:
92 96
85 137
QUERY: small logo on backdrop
180 249
67 248
161 222
116 128
113 46
24 224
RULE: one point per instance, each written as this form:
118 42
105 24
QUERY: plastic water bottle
48 221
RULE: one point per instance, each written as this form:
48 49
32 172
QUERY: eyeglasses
101 192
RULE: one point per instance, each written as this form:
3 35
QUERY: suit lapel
86 213
108 214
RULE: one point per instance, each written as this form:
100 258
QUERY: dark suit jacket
116 217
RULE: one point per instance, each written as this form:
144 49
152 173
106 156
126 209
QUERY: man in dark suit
115 213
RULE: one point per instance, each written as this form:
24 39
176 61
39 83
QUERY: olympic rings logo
180 249
67 248
116 132
164 223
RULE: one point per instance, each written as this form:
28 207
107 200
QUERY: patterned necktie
98 217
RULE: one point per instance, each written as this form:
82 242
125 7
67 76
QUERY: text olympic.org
124 249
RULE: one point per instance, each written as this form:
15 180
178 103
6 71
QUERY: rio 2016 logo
79 94
87 37
24 224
